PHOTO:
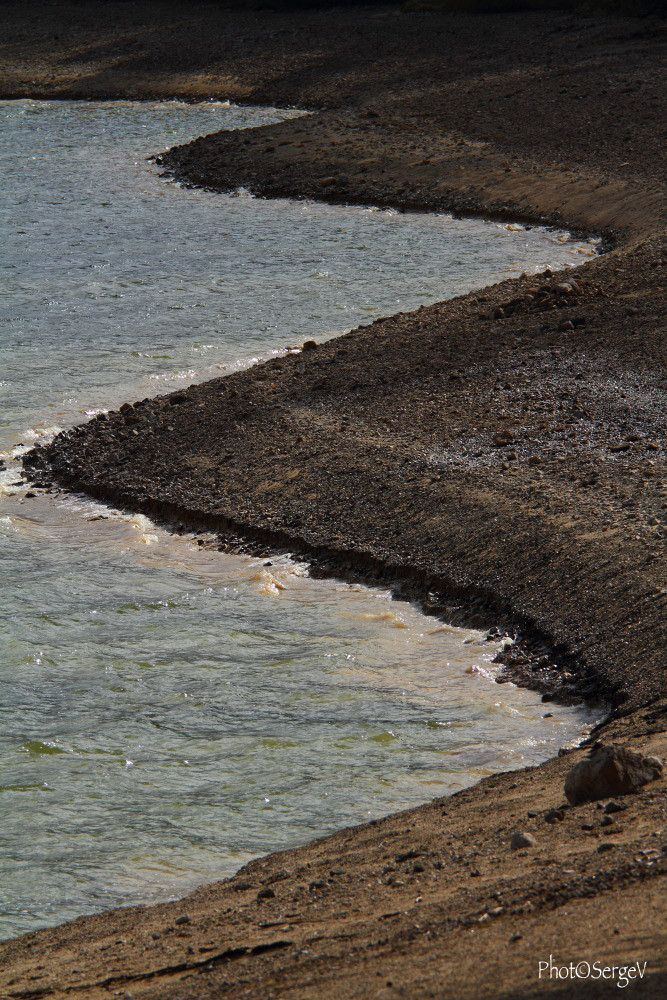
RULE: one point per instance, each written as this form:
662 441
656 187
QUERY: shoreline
516 537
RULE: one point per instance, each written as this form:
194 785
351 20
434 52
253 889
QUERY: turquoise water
167 712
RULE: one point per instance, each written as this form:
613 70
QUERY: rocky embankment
498 457
515 484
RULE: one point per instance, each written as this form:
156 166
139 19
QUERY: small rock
183 919
265 894
516 937
278 876
520 839
409 855
606 821
615 807
566 325
606 846
554 816
309 345
503 438
610 770
534 460
498 313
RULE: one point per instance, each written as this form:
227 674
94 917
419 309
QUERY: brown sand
330 452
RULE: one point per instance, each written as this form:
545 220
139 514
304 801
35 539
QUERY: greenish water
169 713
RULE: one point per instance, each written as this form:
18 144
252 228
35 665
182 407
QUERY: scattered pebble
503 438
408 855
520 839
614 807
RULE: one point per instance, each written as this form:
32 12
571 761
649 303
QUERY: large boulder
607 771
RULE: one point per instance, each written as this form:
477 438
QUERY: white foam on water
145 527
42 435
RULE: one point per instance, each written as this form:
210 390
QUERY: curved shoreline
372 406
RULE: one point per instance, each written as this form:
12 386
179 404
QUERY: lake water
167 712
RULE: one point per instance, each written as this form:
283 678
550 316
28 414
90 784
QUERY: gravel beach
498 458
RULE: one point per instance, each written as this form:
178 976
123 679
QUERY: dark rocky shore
497 457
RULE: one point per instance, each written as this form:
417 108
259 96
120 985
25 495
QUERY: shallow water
167 712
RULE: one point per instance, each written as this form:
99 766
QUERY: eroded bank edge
532 660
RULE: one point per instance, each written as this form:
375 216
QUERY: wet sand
497 457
